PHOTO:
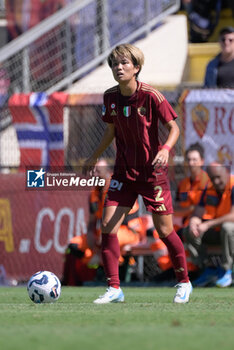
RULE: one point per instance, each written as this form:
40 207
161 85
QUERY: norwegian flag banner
38 121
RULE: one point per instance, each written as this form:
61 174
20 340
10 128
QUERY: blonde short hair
131 52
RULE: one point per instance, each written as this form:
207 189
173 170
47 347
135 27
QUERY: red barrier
36 226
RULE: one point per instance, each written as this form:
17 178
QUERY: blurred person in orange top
130 232
213 224
191 187
96 203
153 241
82 256
189 194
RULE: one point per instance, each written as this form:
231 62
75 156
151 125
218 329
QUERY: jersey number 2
158 197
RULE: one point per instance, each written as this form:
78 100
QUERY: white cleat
112 295
183 292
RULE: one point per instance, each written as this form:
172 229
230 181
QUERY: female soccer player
132 111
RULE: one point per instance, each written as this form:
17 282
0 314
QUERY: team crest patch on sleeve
127 111
103 109
141 111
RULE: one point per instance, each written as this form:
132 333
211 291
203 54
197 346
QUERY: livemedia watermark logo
36 178
50 180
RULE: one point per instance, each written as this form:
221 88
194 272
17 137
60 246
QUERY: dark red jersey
136 119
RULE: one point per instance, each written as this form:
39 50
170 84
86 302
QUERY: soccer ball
44 287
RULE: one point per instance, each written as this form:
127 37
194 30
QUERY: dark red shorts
156 195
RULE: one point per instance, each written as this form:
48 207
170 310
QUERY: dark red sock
110 258
177 254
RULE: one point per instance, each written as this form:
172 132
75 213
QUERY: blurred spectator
5 117
203 16
132 229
14 17
83 260
220 70
159 249
82 256
77 268
96 203
45 53
186 5
213 224
4 86
189 194
22 15
191 187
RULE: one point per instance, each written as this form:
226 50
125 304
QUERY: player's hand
161 159
89 166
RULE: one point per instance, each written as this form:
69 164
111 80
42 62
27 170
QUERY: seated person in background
77 268
82 256
220 70
156 245
189 194
213 223
131 231
96 203
203 17
191 187
4 86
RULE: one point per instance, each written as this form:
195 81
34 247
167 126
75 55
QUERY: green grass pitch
147 320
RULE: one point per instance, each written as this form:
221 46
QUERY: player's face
195 162
123 69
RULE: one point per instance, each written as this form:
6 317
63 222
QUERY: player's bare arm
106 140
162 156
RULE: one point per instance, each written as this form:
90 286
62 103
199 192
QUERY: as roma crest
200 119
141 111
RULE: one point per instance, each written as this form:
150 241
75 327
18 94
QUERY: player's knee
163 224
164 230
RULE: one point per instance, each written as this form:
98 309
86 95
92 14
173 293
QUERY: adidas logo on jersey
161 208
113 113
